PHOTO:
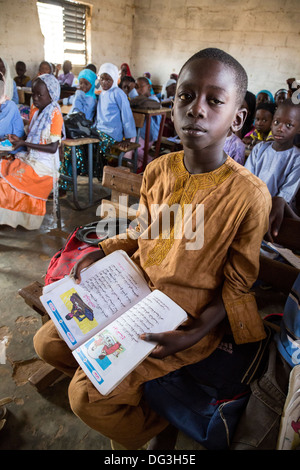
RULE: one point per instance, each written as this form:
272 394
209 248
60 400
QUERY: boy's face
20 69
126 87
262 98
205 104
143 88
263 120
44 68
67 66
285 125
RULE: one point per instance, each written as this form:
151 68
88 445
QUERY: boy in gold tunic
209 280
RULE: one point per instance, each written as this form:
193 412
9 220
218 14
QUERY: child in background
44 68
84 101
264 96
21 79
67 77
263 120
143 88
27 181
211 282
10 84
277 163
10 118
280 96
127 84
114 119
250 104
168 91
148 76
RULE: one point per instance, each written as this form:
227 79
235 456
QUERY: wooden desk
65 109
148 114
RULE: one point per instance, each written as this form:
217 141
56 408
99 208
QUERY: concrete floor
43 420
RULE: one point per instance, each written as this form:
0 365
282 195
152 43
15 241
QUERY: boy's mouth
193 130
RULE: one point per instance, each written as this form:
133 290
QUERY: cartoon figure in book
80 310
104 345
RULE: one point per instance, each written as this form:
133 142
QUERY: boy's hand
85 261
16 141
169 342
275 218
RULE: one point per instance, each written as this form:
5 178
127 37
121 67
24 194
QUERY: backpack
77 126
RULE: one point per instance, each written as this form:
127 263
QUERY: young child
143 88
250 104
280 96
114 120
211 282
264 96
44 68
263 120
127 84
21 79
277 163
67 77
85 101
26 182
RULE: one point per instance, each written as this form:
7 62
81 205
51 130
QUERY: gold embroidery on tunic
185 188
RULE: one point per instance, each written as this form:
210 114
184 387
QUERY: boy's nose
197 108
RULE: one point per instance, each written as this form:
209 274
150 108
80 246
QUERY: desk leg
161 128
147 135
90 162
74 176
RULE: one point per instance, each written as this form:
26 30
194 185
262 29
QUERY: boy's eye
275 122
289 125
215 101
184 96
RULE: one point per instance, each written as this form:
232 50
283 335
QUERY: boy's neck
206 160
281 147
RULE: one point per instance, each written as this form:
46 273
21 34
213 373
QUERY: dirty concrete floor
43 420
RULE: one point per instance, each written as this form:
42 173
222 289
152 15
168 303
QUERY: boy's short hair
241 78
288 103
271 107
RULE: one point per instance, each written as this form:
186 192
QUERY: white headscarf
165 86
111 70
9 85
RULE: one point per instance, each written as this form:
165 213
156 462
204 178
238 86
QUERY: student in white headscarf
168 90
114 121
10 84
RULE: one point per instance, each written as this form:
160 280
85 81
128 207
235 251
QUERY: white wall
159 36
264 35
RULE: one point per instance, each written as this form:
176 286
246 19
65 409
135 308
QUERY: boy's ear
239 119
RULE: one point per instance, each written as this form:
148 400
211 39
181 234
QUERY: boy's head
45 67
264 117
210 91
143 86
286 123
67 66
20 68
280 96
264 96
127 84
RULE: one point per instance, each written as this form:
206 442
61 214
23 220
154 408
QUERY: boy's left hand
169 342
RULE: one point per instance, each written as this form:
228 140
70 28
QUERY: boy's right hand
85 261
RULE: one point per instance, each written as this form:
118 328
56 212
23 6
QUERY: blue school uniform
155 124
85 104
114 115
10 120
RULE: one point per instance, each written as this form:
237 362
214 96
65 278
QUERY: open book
101 319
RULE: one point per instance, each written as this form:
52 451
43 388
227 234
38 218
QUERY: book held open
101 319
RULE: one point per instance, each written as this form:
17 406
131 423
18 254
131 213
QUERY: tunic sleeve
241 271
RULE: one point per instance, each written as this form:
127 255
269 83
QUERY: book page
108 288
115 351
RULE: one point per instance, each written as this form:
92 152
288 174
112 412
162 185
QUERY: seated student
280 96
44 68
27 181
11 121
10 84
114 119
210 281
264 96
127 84
67 77
235 148
84 101
262 125
144 99
21 79
124 72
148 76
168 91
277 163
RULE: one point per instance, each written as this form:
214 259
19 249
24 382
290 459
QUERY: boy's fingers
150 336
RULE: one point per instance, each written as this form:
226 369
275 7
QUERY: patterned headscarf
111 70
91 77
44 118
